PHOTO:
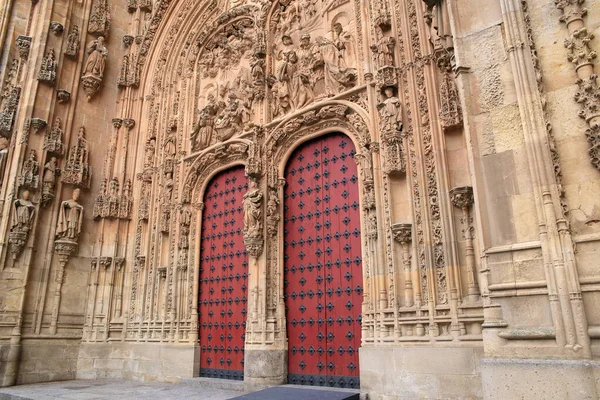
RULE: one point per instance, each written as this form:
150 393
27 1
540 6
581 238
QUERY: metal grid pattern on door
223 287
323 265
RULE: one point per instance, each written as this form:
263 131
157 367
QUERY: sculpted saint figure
441 35
202 135
252 205
70 218
231 119
96 61
384 49
23 211
390 112
366 162
295 80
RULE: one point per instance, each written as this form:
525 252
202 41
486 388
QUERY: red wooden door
223 278
323 266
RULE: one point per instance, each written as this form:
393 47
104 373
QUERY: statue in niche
366 160
73 42
77 170
390 112
231 120
70 218
113 198
149 155
296 81
29 174
51 171
383 49
96 61
344 42
21 224
440 34
47 71
53 142
202 136
252 204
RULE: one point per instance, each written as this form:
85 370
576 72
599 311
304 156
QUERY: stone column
403 235
64 248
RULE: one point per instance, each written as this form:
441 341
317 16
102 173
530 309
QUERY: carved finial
462 197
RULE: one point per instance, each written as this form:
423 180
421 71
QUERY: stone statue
23 211
49 181
70 218
252 205
297 83
441 34
21 224
230 120
344 42
202 135
384 49
366 161
390 112
96 61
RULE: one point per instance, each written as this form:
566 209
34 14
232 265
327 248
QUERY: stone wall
478 148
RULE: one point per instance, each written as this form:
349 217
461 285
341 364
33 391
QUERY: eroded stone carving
253 217
73 42
22 222
203 134
29 173
10 106
56 28
77 171
47 72
93 70
63 95
51 171
23 45
70 219
53 139
100 18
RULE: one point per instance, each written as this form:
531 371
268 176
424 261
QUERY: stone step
214 383
299 392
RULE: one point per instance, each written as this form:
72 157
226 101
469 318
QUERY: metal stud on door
223 278
323 265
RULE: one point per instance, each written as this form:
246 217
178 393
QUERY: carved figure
366 161
21 224
384 49
344 42
230 120
70 218
73 42
441 34
252 205
202 135
51 170
390 112
297 83
337 76
29 174
47 71
96 61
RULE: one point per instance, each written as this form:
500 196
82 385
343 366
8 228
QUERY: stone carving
439 22
100 18
253 219
47 72
56 28
23 45
231 119
63 95
53 139
128 74
3 158
73 42
77 171
273 216
110 203
203 134
70 218
37 124
366 161
127 41
93 70
402 234
167 197
51 171
9 111
383 49
22 222
131 6
185 221
390 125
29 173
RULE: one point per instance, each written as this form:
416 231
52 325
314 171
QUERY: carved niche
47 72
73 42
23 211
53 139
29 173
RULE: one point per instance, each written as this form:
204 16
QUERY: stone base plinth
264 368
138 361
393 372
540 379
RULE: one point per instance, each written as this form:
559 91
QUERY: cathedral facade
397 196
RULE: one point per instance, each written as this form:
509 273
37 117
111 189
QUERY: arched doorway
223 284
323 266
